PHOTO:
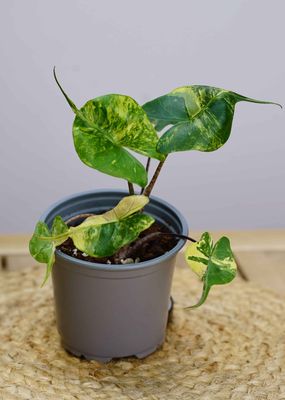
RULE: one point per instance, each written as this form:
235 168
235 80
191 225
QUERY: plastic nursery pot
108 311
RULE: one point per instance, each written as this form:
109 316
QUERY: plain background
143 49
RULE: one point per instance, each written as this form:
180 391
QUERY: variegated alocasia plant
105 130
98 236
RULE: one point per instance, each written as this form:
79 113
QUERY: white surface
143 49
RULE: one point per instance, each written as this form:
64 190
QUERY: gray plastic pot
109 311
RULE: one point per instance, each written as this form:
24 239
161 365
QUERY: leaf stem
131 188
147 169
147 164
72 219
140 242
148 189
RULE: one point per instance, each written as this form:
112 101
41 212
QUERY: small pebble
109 262
74 251
137 260
85 255
127 261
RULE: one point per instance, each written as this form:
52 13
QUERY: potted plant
111 253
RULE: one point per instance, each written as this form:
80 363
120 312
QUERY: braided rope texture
232 348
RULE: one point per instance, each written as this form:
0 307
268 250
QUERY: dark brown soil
149 249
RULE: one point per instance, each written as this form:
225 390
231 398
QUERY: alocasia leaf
43 242
214 264
199 117
105 127
102 235
104 240
99 236
58 228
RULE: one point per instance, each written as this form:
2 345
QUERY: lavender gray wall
143 49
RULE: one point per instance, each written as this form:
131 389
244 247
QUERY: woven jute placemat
232 348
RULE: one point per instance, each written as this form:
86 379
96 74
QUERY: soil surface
150 248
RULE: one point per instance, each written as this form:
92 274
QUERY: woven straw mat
231 348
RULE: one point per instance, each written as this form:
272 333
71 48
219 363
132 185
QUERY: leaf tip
250 100
275 104
70 102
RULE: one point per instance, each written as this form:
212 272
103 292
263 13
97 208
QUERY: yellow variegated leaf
126 207
104 240
199 254
88 232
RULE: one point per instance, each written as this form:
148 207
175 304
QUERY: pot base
87 357
102 359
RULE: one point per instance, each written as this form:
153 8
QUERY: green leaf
200 117
104 240
43 242
98 236
59 228
105 127
215 265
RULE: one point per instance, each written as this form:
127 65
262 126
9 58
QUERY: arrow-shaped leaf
200 117
104 240
215 265
98 236
105 127
43 242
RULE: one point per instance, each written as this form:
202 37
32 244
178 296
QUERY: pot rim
120 267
